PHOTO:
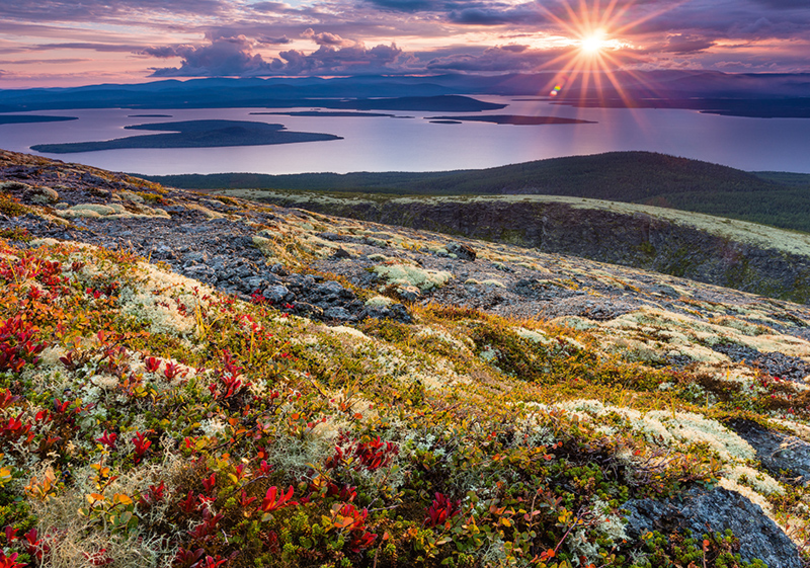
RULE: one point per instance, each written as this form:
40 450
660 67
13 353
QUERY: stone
254 282
194 257
276 293
198 270
331 289
337 313
408 293
777 451
716 510
462 251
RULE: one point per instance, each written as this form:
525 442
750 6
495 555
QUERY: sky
60 43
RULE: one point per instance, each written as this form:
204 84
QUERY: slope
385 397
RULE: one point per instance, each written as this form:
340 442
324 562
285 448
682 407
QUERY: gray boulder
716 510
778 452
276 293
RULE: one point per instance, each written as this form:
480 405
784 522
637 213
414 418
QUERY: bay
412 142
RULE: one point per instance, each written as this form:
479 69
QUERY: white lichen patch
111 211
405 275
379 302
532 335
350 331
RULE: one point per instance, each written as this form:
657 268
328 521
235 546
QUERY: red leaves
274 500
371 455
347 517
172 370
441 510
18 345
231 383
13 429
108 439
35 546
152 364
244 500
141 446
189 504
376 454
155 494
187 558
7 399
210 483
10 561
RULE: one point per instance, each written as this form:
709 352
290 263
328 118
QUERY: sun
594 32
593 43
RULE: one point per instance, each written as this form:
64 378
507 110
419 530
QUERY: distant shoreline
513 119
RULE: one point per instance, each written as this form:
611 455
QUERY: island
29 118
329 113
194 134
509 119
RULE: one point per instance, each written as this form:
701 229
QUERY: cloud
353 60
233 57
273 7
507 58
225 57
523 15
103 10
325 38
101 47
406 5
685 43
283 40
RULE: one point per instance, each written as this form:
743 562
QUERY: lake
415 144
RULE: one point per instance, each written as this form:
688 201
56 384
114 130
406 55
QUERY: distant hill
781 200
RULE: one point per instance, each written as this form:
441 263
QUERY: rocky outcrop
716 511
637 240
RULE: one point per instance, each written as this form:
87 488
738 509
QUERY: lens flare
595 31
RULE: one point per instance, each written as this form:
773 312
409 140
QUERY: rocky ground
344 272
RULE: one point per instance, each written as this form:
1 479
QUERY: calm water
414 144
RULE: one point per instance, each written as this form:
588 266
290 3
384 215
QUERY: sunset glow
53 43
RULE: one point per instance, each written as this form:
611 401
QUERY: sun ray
597 50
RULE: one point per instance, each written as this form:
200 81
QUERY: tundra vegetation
149 420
